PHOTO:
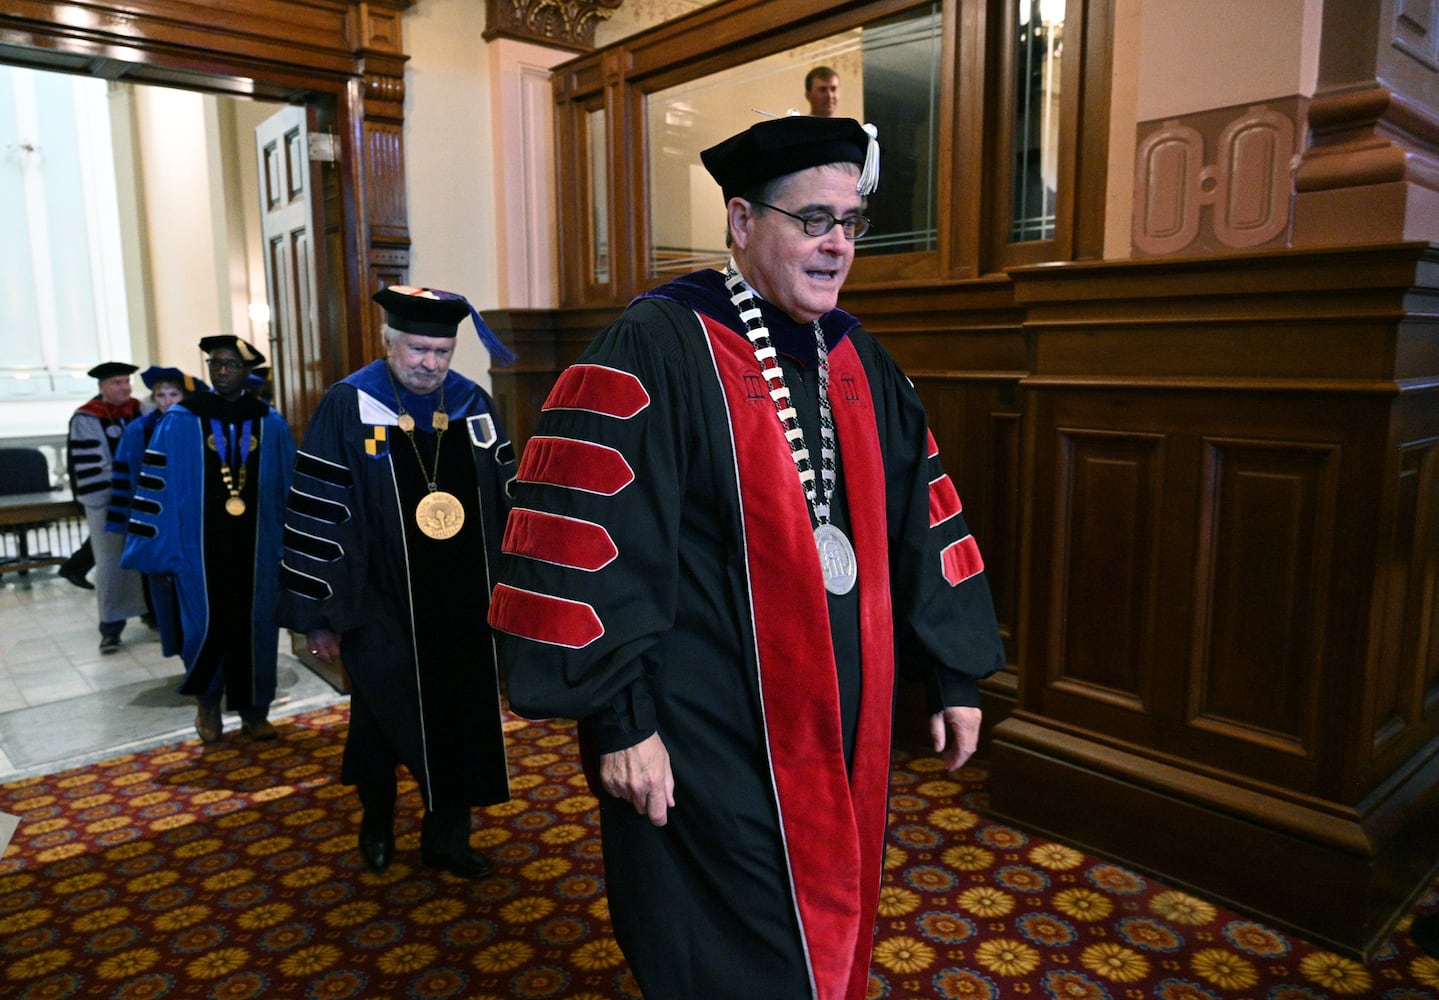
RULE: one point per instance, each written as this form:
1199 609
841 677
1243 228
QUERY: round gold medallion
406 422
440 515
234 506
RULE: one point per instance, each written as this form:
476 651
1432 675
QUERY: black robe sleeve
322 577
606 682
945 629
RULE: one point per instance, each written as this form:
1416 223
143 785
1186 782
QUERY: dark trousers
371 764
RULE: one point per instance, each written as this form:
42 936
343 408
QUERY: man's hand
956 735
324 645
641 776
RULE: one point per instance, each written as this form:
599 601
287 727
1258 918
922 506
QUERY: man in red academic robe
731 529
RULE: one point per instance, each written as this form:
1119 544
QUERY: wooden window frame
976 68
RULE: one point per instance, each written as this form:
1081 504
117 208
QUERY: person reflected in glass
821 90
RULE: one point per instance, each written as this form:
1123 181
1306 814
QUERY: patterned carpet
230 872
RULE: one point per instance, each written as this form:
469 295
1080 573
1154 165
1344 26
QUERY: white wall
1250 53
172 142
449 162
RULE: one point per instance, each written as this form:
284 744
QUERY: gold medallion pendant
406 422
234 506
440 515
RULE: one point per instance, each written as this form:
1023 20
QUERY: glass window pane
595 142
901 96
1040 36
58 206
889 75
23 358
67 202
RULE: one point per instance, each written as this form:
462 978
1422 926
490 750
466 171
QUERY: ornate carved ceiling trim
566 24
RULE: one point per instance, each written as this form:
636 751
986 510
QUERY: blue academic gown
175 508
128 455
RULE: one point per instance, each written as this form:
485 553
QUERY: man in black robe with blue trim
395 515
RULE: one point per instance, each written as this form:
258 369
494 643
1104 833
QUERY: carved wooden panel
385 161
1406 687
1108 488
1265 522
1416 30
567 24
976 424
1213 460
1213 181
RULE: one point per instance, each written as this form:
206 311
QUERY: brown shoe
258 729
207 723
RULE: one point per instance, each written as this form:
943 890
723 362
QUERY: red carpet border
230 872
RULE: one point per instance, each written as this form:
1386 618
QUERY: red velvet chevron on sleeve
563 541
576 465
544 617
598 389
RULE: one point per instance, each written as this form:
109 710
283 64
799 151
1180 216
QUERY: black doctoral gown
410 609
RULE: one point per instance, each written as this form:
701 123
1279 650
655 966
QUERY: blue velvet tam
155 374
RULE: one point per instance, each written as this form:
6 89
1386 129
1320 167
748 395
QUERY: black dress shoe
109 644
462 864
377 841
76 578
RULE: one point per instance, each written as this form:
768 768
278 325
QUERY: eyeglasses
820 222
225 364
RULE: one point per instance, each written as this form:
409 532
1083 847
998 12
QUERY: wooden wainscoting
1207 494
1229 660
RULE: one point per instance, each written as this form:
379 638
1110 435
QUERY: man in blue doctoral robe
208 509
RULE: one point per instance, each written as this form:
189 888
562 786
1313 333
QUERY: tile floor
63 703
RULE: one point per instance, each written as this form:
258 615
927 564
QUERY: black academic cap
779 146
155 374
109 369
425 312
247 352
430 312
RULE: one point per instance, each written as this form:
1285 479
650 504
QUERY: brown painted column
1371 172
1333 140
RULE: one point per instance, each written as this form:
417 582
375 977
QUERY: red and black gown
661 575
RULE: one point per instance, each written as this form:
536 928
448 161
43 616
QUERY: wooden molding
1215 181
565 24
1371 172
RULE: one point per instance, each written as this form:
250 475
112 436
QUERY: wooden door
288 224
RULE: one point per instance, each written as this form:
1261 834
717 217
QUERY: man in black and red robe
731 530
95 430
